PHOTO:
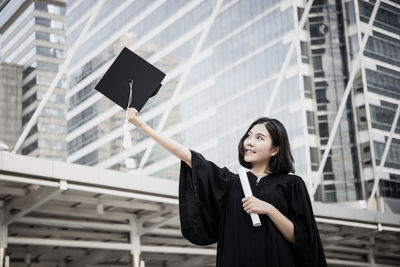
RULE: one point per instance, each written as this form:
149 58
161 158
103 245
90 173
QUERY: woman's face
257 146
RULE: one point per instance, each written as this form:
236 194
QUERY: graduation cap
130 77
130 82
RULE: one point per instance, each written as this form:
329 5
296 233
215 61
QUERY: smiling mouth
249 151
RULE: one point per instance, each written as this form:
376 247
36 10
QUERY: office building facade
226 88
10 103
33 37
376 95
228 85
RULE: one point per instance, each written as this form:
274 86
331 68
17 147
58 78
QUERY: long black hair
282 162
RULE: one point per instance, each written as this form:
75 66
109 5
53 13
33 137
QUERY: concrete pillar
28 258
135 260
2 252
371 254
3 235
135 242
7 261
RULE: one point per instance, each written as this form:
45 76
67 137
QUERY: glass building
226 89
10 103
376 94
336 30
231 80
341 174
33 37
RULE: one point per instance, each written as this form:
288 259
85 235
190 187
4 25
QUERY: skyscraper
226 88
330 61
230 82
33 37
376 94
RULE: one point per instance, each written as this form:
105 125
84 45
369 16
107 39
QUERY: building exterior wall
341 179
33 37
10 103
336 29
378 90
229 85
227 88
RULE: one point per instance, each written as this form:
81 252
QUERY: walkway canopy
60 214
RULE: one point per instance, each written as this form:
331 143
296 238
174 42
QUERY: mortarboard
129 67
130 82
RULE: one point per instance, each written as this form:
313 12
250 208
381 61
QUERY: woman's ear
275 150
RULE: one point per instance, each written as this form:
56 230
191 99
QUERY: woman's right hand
133 117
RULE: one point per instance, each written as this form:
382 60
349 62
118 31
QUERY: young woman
213 208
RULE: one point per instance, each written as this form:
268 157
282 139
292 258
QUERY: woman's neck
262 169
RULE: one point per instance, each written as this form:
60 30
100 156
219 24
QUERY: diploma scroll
247 193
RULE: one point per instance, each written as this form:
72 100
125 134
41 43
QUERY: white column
135 242
371 254
135 260
7 261
2 252
28 258
3 235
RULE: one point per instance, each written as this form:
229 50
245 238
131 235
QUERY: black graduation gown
211 211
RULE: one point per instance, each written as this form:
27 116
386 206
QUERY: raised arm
175 148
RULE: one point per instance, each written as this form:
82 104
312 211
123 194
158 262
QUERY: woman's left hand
255 205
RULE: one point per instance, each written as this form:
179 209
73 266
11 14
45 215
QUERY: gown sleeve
308 248
202 190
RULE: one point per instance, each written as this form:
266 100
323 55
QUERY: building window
28 149
307 86
29 85
50 52
47 66
55 24
311 122
48 8
29 101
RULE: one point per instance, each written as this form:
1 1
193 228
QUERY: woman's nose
250 142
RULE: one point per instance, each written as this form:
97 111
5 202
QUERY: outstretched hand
133 117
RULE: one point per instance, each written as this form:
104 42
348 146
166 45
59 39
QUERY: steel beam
68 234
162 212
354 236
13 191
93 258
356 263
108 246
75 224
144 230
127 204
31 202
85 213
195 261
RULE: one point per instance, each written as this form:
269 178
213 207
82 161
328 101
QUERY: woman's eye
260 138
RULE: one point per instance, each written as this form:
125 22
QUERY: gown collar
254 177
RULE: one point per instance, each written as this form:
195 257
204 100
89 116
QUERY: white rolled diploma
247 193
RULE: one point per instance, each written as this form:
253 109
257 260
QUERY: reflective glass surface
330 64
224 91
